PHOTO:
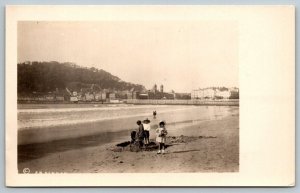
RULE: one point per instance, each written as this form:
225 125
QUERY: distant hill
48 76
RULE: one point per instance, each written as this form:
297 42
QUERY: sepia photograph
137 96
159 96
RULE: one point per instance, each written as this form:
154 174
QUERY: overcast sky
181 55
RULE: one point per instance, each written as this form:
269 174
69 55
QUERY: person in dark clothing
140 133
133 136
154 114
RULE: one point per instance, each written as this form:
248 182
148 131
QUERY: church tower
161 88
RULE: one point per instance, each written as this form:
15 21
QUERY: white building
89 97
233 89
223 94
98 96
206 93
103 95
196 94
112 96
209 93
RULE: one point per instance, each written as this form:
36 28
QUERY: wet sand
209 146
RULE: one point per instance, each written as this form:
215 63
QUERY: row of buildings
105 95
91 94
109 96
215 93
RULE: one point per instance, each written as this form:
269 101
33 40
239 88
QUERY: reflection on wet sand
38 150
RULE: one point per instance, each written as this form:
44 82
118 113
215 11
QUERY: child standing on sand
147 128
140 133
161 135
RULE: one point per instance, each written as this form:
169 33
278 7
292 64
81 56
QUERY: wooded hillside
49 76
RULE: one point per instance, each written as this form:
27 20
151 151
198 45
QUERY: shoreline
196 102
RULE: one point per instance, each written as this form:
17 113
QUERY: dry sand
214 148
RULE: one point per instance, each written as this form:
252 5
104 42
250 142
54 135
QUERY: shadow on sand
185 151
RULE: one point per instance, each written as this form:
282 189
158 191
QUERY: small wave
33 122
96 108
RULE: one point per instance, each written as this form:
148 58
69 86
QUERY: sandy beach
209 146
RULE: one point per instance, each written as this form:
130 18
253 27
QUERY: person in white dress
161 136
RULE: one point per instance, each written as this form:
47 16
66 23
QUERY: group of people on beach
142 134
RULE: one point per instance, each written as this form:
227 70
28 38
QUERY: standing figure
161 135
133 136
147 128
154 114
140 133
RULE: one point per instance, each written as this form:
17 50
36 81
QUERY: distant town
56 82
95 94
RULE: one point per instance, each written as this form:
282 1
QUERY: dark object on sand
151 146
135 146
124 144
